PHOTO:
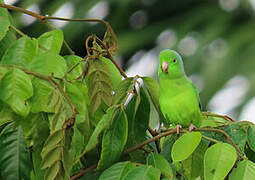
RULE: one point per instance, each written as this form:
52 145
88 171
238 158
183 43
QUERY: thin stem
18 31
14 8
218 115
210 139
69 48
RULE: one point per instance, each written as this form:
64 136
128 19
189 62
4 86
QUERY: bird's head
171 65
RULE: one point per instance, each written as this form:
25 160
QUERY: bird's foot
192 127
178 128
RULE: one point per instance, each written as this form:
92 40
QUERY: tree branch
82 172
139 146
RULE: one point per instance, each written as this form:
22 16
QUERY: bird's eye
174 61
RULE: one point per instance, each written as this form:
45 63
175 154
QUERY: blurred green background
215 37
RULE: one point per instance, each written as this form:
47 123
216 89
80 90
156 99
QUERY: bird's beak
164 67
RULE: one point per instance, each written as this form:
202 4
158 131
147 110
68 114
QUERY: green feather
179 98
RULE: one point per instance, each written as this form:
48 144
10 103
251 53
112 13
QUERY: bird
178 96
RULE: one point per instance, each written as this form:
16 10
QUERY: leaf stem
210 139
218 115
18 31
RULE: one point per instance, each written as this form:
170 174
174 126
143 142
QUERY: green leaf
3 71
57 119
102 125
185 146
72 61
114 140
153 88
78 142
117 171
244 170
110 40
55 154
48 63
159 162
167 147
249 153
37 160
51 157
15 89
99 84
76 96
45 96
193 166
53 172
139 123
8 40
53 140
114 72
238 134
126 86
4 22
21 52
218 161
14 159
251 137
52 40
143 173
6 114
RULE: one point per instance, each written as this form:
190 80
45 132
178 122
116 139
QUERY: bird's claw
178 129
192 127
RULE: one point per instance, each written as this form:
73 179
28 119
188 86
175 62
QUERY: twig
14 8
228 138
210 139
82 172
139 146
18 31
218 115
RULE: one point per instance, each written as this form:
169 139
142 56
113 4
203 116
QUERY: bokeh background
215 37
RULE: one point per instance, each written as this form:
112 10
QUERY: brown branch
164 134
139 146
82 172
14 8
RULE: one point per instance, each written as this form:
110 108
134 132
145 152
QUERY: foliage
65 117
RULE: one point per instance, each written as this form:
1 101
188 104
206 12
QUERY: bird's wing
198 97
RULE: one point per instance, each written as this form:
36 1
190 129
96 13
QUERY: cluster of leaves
67 116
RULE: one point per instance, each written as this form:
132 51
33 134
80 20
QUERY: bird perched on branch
179 97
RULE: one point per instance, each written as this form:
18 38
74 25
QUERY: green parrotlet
179 97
